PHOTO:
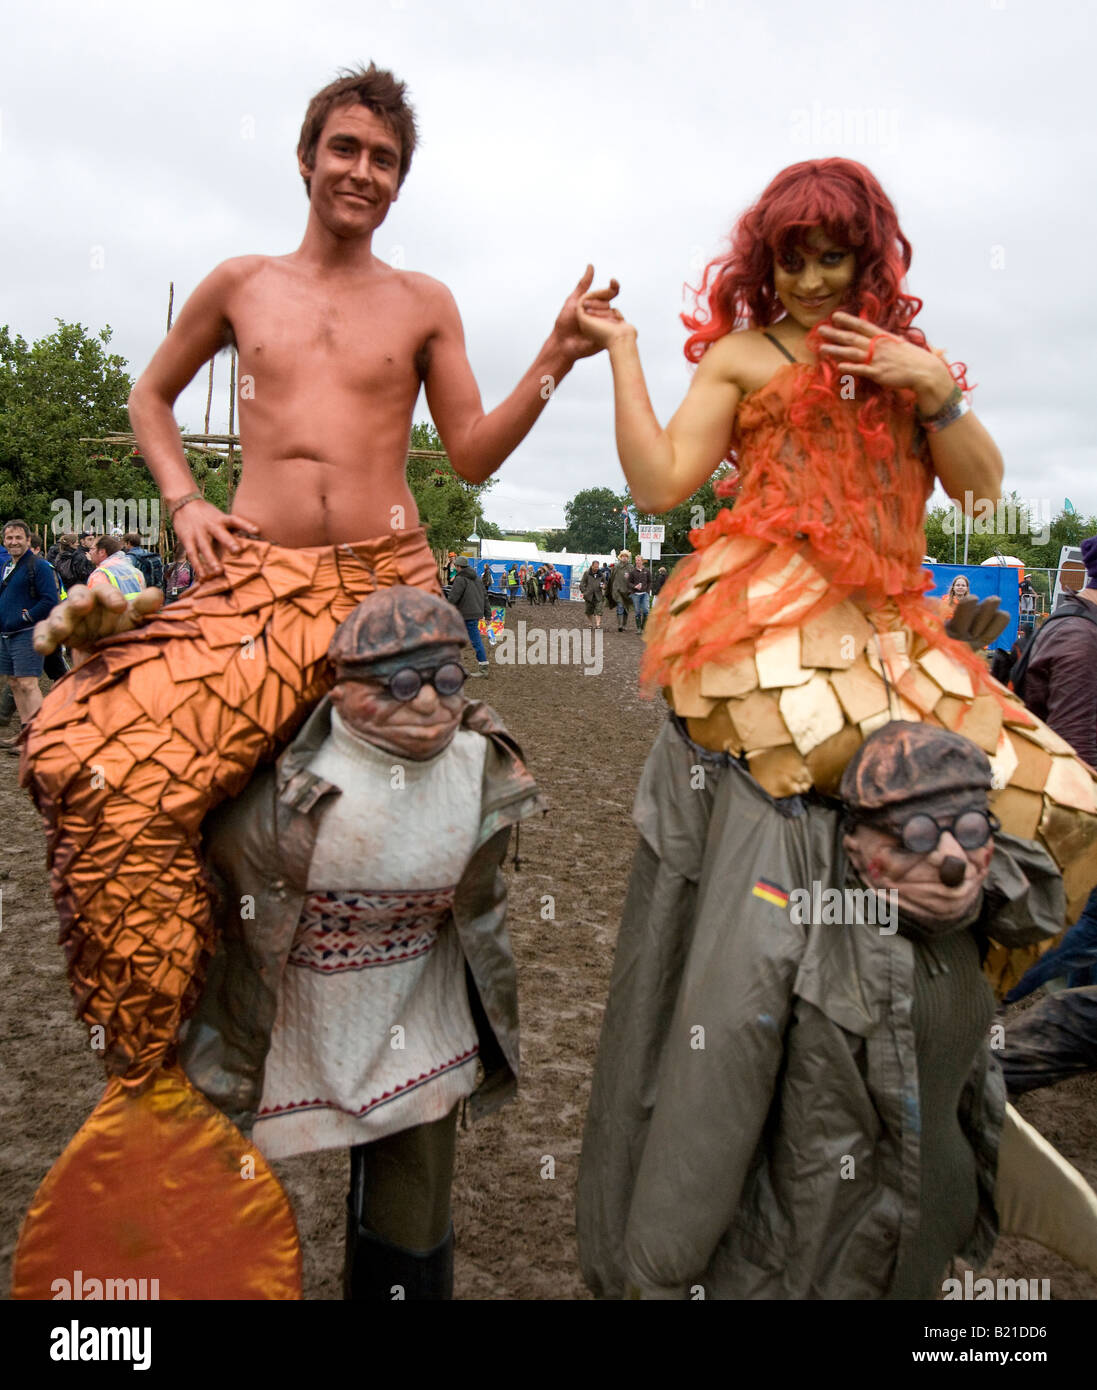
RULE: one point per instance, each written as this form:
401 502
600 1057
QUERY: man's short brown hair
109 545
131 538
19 524
374 88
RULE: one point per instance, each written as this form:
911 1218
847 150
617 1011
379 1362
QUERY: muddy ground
585 740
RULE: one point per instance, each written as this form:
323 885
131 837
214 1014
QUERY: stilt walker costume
126 757
800 626
798 629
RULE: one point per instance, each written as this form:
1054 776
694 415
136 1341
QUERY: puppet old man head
916 795
398 672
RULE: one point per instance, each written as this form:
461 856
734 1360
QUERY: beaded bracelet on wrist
173 507
953 409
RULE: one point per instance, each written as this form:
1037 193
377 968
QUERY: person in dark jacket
639 587
594 596
28 590
1058 1038
470 598
617 588
147 561
73 563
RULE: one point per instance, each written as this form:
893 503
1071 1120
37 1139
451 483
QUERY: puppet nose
952 871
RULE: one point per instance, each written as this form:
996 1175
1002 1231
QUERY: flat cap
905 768
393 622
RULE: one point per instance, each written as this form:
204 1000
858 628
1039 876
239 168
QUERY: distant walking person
639 584
617 589
470 598
590 586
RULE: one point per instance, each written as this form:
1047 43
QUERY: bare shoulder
238 270
749 358
430 293
733 359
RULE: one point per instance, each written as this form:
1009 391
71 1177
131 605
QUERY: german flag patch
770 892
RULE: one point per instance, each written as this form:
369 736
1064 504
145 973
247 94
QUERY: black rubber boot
375 1271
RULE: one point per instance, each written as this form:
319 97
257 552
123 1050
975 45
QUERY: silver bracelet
947 417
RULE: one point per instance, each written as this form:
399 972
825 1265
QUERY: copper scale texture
131 750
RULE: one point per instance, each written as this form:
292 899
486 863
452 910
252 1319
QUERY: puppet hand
90 614
978 622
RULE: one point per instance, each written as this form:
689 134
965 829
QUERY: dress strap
780 347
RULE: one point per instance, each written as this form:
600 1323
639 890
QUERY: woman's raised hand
599 321
861 348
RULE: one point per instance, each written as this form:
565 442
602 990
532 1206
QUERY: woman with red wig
800 624
729 1151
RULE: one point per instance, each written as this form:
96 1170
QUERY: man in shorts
28 591
594 598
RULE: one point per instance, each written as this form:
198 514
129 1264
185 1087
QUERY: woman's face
812 279
960 587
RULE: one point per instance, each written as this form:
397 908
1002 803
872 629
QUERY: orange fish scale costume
125 758
800 626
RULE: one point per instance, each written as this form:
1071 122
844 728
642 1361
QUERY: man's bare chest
328 341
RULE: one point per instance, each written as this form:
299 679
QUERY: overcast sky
143 143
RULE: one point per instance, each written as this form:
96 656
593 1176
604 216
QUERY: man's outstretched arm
477 443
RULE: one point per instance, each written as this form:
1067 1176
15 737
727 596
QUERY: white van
1071 575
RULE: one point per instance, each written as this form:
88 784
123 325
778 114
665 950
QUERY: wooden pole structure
209 396
231 485
171 302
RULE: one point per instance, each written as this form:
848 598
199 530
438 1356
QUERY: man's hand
90 614
578 331
203 529
977 622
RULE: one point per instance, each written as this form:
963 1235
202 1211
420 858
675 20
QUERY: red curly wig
844 199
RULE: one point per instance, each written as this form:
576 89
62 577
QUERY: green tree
593 521
1008 531
448 505
53 393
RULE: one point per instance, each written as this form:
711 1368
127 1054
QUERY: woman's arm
665 466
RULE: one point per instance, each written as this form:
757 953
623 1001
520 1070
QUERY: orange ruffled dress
801 625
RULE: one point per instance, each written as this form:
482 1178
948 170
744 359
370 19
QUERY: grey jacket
469 595
617 587
716 1157
258 851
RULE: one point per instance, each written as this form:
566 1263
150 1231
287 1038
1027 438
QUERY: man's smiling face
356 176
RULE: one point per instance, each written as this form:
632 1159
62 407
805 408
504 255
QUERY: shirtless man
126 759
